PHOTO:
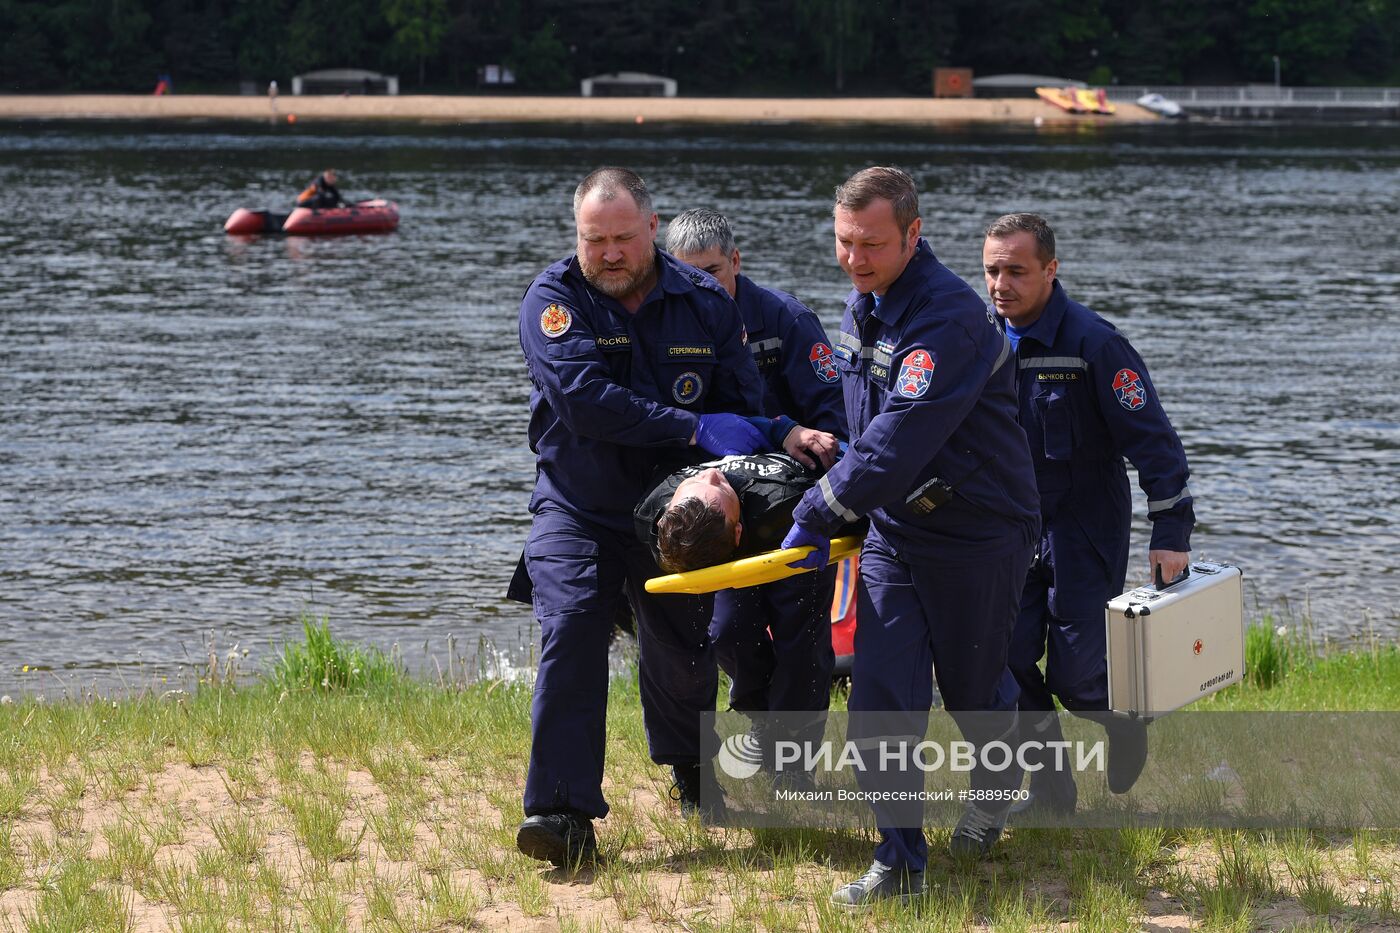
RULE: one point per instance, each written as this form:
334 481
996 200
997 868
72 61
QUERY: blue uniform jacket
930 392
1086 403
617 395
794 357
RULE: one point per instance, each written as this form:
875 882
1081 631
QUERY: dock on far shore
1272 102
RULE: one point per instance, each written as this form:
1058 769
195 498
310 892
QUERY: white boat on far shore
1159 104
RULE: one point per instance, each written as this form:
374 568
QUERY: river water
202 438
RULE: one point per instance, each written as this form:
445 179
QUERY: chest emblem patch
915 374
1127 385
687 387
822 362
555 320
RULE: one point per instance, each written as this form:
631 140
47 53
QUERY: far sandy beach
899 110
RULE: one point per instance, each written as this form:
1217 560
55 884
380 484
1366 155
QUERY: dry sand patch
467 109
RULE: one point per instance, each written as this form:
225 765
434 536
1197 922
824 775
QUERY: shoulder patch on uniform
915 374
555 320
1127 385
687 387
822 363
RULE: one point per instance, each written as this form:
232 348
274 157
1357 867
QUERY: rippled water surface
201 436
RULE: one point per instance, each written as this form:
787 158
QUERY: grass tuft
317 822
324 662
11 866
72 900
240 837
1270 652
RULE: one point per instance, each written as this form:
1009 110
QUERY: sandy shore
906 111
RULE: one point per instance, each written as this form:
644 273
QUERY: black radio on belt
929 496
938 491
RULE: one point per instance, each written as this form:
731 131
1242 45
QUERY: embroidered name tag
694 352
1057 377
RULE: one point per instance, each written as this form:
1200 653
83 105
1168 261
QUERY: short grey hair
1011 224
697 230
608 182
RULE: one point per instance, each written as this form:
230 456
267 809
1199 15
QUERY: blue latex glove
802 537
723 434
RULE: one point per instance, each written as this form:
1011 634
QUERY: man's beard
616 286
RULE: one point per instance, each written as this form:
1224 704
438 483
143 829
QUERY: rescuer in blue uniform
634 360
1086 403
940 465
774 640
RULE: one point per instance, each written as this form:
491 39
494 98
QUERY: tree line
720 47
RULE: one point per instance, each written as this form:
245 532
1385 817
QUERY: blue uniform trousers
774 642
952 620
581 571
1076 660
1075 650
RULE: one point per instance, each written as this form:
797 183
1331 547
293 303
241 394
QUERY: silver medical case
1170 647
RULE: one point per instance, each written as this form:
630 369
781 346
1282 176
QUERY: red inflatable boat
377 216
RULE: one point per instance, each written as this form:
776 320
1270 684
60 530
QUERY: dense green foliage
738 47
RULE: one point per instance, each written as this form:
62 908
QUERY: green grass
308 802
324 662
1269 653
72 899
1364 679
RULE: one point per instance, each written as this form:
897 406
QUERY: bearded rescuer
634 359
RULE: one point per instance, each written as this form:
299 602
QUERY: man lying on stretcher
736 506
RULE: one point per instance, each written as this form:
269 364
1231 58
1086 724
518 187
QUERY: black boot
1052 788
564 838
1127 752
698 792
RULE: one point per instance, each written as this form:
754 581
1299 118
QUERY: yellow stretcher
748 571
